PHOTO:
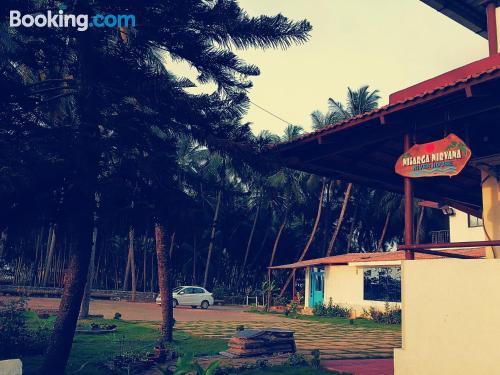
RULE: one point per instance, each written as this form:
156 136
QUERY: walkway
334 341
361 367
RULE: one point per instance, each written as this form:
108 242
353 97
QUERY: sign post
446 157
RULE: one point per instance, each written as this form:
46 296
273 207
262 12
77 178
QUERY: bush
117 316
296 360
15 338
315 361
332 310
390 315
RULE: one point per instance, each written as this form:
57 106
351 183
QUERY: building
361 281
450 307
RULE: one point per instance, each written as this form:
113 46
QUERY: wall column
408 189
491 209
492 26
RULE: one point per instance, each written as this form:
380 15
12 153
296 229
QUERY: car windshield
178 289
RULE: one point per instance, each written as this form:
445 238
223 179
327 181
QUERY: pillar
408 199
492 27
491 208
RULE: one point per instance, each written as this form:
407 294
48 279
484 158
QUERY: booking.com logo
81 22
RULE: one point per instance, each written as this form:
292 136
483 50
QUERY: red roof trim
390 256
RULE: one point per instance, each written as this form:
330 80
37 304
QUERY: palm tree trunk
131 238
194 260
172 242
84 310
311 238
419 224
384 230
273 254
351 230
51 243
127 271
347 194
249 242
144 266
212 237
75 278
165 284
3 240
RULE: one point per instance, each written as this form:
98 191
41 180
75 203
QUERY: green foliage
187 365
390 314
296 360
332 310
315 360
16 337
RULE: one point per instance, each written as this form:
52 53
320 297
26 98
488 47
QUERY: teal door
317 286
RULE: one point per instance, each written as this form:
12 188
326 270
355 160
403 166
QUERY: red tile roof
392 107
377 257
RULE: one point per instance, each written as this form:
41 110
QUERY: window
189 291
199 290
382 284
474 222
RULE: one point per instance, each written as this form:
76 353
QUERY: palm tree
358 101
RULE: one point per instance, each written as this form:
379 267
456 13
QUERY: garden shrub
390 315
15 337
315 361
296 360
332 310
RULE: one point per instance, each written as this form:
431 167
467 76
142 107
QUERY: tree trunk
51 243
311 238
131 238
3 240
212 237
273 254
194 260
165 284
172 242
127 271
84 310
144 266
249 242
340 220
419 224
351 230
75 278
384 230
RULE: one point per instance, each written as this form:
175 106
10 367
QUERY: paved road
152 312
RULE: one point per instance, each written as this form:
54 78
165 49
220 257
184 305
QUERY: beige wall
491 210
460 231
344 285
451 312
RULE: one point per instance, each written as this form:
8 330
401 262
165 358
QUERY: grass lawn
360 322
131 337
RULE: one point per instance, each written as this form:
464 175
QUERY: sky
386 44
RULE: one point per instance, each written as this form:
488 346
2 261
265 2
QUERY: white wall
451 312
460 231
344 284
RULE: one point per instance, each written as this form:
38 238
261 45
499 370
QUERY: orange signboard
446 157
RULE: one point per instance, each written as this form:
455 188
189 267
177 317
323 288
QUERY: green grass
360 322
131 337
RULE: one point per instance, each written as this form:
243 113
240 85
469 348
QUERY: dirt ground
152 312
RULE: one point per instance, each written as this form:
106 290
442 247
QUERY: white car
193 296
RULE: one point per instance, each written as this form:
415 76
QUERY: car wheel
194 307
174 303
204 305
